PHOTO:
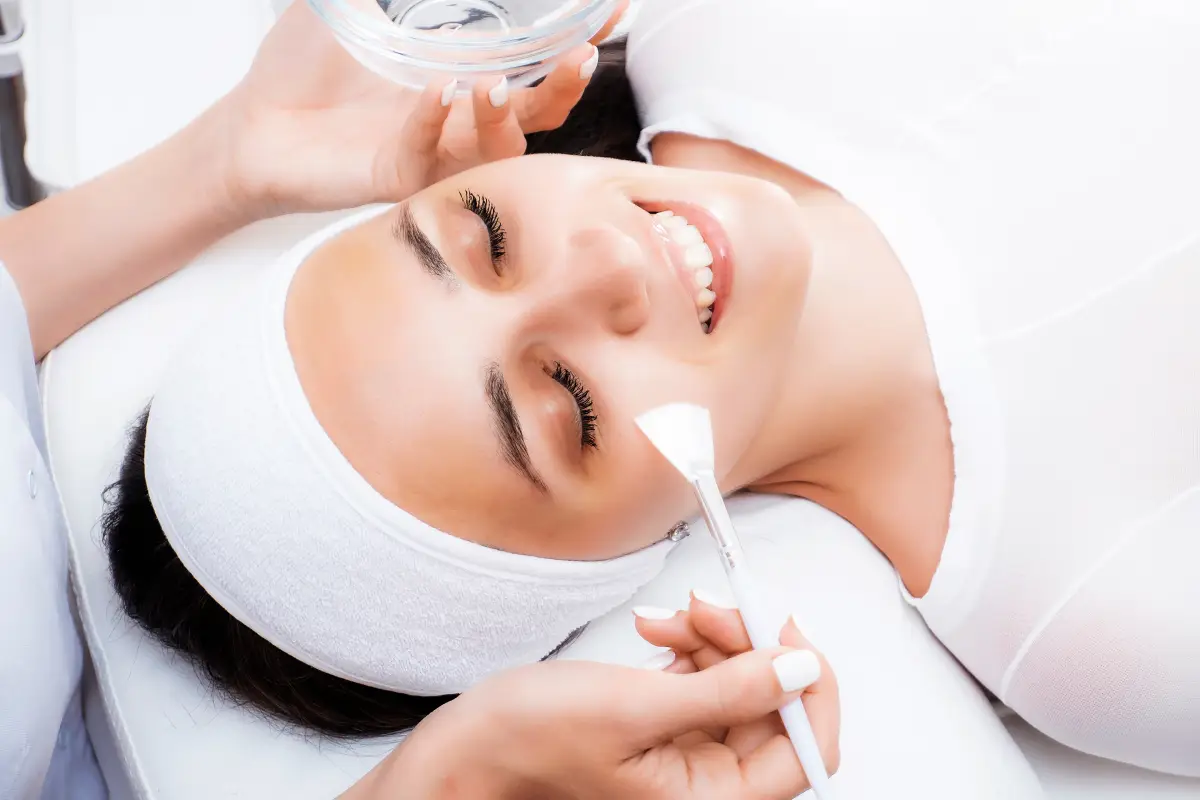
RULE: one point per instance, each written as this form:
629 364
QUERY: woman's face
479 353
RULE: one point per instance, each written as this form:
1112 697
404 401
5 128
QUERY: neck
861 353
861 397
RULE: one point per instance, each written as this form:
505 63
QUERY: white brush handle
762 635
795 717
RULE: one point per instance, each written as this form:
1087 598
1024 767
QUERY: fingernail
795 620
588 68
498 94
449 91
797 670
659 661
711 600
653 612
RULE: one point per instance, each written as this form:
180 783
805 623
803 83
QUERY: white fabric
278 527
44 751
1033 165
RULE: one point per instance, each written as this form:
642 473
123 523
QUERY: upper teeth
696 256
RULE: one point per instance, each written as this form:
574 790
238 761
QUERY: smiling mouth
694 260
699 252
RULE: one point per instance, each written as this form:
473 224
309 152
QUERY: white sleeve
40 653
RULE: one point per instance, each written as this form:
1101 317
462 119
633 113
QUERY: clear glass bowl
413 42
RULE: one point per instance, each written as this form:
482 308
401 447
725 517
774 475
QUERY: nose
608 279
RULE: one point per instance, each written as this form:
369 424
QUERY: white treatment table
107 80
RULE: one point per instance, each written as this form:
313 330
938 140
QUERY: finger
821 696
772 768
821 699
669 662
790 636
735 692
718 623
683 665
613 21
547 105
710 631
416 150
496 128
664 627
659 661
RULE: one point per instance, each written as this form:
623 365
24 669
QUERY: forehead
392 367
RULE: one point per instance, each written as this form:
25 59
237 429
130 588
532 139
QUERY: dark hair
159 593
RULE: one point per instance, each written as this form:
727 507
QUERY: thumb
735 692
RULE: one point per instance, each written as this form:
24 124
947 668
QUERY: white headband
278 527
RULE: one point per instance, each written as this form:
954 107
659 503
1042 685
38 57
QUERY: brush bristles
682 432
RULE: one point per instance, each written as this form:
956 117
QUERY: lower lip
718 243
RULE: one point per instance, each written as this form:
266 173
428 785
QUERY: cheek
737 386
636 513
631 496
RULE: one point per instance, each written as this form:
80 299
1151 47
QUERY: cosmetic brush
682 432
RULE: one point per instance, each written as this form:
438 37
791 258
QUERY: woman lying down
939 278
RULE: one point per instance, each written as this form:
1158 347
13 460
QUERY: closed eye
483 208
583 401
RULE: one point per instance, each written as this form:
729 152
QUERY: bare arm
81 252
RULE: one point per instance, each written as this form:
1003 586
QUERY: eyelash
583 399
481 207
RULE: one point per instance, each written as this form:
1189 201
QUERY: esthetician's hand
573 729
708 634
310 129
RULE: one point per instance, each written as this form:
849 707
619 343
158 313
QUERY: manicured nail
498 94
653 612
797 670
712 600
588 68
659 661
794 618
449 91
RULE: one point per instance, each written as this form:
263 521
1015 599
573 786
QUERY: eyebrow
507 427
409 233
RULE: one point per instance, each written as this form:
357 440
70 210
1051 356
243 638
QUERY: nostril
630 311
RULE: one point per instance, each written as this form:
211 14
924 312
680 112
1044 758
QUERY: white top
44 750
1035 167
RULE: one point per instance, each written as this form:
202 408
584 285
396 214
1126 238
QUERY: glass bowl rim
523 49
